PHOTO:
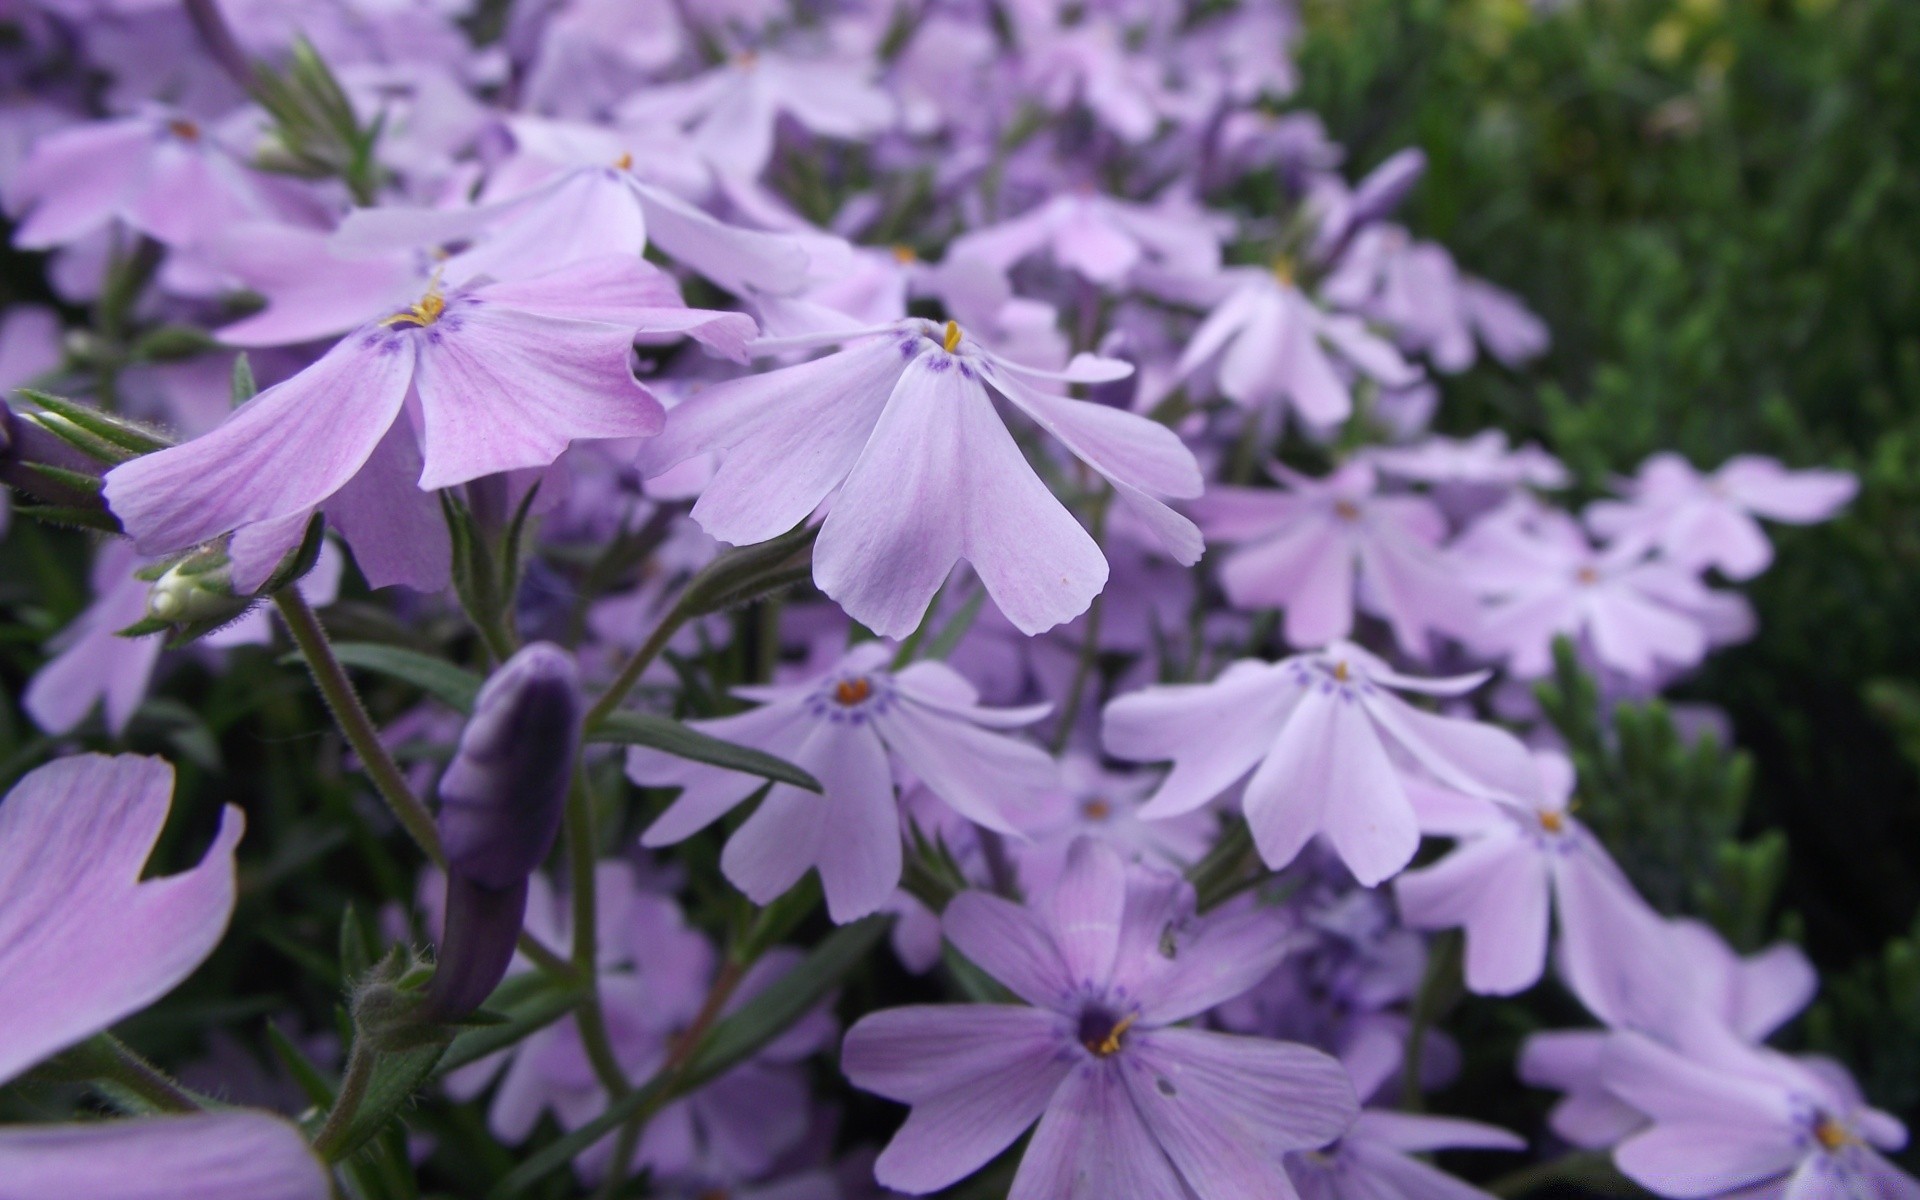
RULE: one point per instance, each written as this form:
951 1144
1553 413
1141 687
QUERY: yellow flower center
184 129
1587 575
1108 1045
1096 810
1346 510
1832 1135
1283 270
952 339
1342 672
1552 821
624 162
423 312
904 254
850 692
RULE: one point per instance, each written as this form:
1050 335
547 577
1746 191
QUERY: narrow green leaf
394 1081
527 1002
306 1074
242 388
684 741
117 430
442 680
733 1040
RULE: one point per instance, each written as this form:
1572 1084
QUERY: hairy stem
355 724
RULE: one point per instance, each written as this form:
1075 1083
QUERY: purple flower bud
483 928
501 797
1386 186
40 463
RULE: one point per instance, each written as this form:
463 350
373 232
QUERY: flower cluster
958 469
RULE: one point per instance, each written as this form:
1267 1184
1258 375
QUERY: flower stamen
850 692
1109 1045
952 339
423 312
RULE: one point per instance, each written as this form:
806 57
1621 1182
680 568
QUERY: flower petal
1092 1145
238 1155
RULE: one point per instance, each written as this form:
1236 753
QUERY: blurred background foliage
1715 204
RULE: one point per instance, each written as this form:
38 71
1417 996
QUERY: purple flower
846 728
902 421
1329 747
1098 237
158 171
1471 475
1128 1103
233 1155
1324 546
1732 1117
1702 521
1376 1157
494 378
1544 580
84 941
1270 345
1515 863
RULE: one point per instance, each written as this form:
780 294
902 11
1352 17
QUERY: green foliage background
1716 206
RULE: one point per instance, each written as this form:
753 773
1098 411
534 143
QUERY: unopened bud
502 796
197 588
501 801
39 462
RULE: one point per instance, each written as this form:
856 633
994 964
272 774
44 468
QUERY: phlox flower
731 113
1667 994
1093 802
228 1155
1329 748
1703 521
1377 1156
1471 475
1128 1103
84 941
1324 547
902 421
1543 579
581 212
1516 862
158 170
490 378
1097 237
1732 1118
1273 347
94 665
848 728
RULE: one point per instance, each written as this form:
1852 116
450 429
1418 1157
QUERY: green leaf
438 678
684 741
306 1074
526 1002
117 431
731 1042
242 387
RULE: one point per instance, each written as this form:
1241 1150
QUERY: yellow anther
1342 672
1096 810
1346 510
852 691
904 254
1108 1046
425 311
1832 1135
1587 575
624 162
184 129
953 336
1283 270
1552 821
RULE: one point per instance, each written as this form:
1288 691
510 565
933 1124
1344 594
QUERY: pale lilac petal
1415 1133
1469 756
941 479
1689 1159
1674 1089
502 389
1253 366
938 686
1214 733
1308 570
1329 773
736 259
1615 951
311 292
1228 319
1391 1175
397 530
1009 942
284 451
1265 1095
83 941
97 664
709 792
1795 497
1223 958
851 833
74 180
236 1155
986 777
606 288
1143 459
787 438
977 1076
1083 912
1497 889
1092 1145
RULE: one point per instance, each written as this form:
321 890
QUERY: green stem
355 724
1089 646
582 850
1438 990
1580 1164
111 1060
346 1102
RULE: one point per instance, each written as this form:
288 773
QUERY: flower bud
38 461
477 946
502 796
